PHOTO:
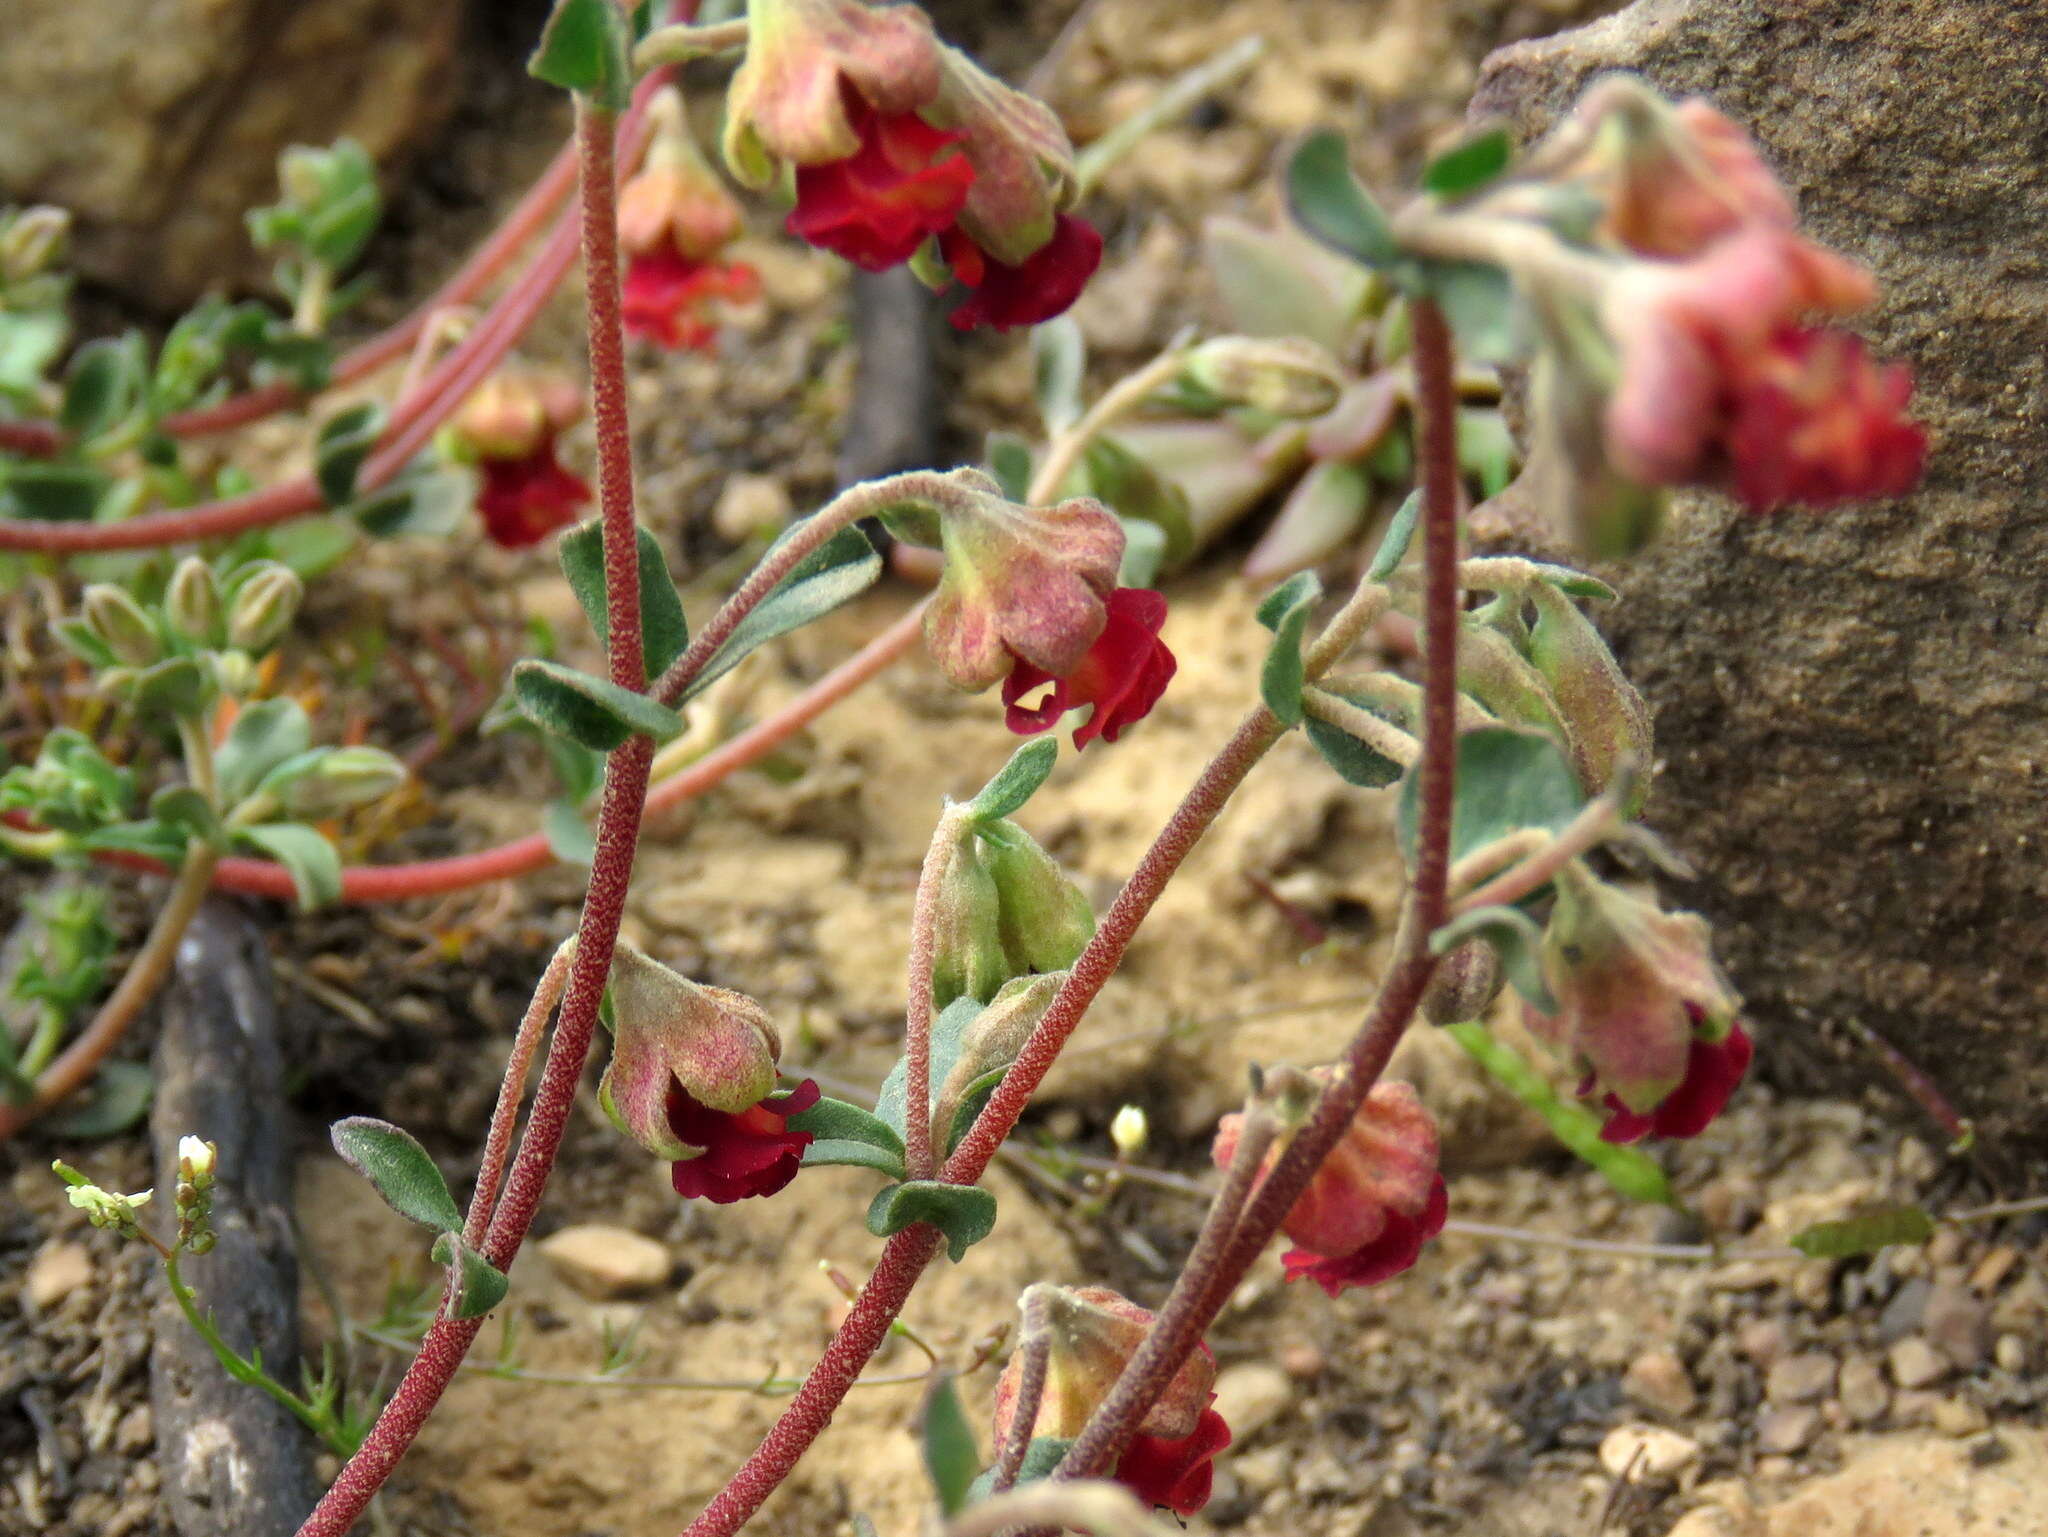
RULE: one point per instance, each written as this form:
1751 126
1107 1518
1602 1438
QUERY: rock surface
604 1261
158 122
1851 713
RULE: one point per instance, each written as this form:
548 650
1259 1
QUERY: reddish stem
906 1255
604 905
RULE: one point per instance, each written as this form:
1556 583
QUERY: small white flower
1129 1131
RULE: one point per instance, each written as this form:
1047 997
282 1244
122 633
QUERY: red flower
1815 419
524 500
1397 1248
906 183
750 1153
1712 1071
1175 1473
1043 285
667 295
1122 675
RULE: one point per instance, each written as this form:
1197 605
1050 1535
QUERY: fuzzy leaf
842 1128
951 1458
393 1161
594 712
1394 542
1506 780
100 387
1040 1458
1331 204
1060 357
843 569
570 838
1356 762
1285 611
1009 461
345 441
1479 302
312 862
52 491
1016 781
948 1031
265 734
1865 1233
1467 166
587 47
421 502
114 1101
966 1214
475 1285
664 630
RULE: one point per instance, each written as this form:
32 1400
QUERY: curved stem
138 984
618 831
490 1172
1116 402
918 1159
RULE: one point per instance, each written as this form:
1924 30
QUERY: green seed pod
967 939
265 604
192 603
119 622
1044 918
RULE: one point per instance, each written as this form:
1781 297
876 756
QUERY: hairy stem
490 1172
618 830
1034 1347
918 1160
138 984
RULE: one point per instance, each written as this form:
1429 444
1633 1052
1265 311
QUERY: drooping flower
507 430
675 217
1713 1069
1093 1334
691 1080
1043 285
1376 1200
1642 1009
907 182
1121 675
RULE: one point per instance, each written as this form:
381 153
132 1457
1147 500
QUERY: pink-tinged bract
1712 1073
907 182
1122 675
522 501
669 299
1043 285
751 1153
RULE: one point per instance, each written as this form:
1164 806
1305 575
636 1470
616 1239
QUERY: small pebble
1764 1341
2010 1353
1917 1364
1302 1361
1785 1431
1802 1379
1956 1323
1250 1396
1993 1268
1958 1418
1914 1407
1658 1381
751 505
60 1267
1862 1391
603 1262
1903 1313
1646 1451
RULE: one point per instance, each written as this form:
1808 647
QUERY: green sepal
587 47
593 712
664 629
966 1214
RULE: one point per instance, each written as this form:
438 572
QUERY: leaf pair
411 1185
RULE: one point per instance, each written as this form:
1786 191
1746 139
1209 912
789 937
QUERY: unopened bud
192 603
235 672
264 606
1464 986
118 620
340 781
33 242
1044 918
1605 717
968 959
195 1161
1284 376
1129 1131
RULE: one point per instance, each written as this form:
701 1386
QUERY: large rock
157 122
1852 708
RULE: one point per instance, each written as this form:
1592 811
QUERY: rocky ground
1559 1363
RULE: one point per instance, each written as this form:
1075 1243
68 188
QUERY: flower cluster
1680 349
1092 1332
1376 1200
1642 1010
1029 598
691 1080
675 217
507 430
902 149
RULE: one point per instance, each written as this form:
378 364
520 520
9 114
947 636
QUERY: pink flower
1721 385
1375 1201
667 297
751 1152
905 183
1121 676
522 501
1713 1069
1044 284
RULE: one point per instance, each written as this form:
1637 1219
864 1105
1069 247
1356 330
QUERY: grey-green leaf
664 630
591 711
1285 612
966 1214
951 1457
1016 781
393 1161
475 1285
843 568
312 862
1331 204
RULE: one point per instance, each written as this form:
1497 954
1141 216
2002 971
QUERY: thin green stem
248 1372
1181 93
1116 402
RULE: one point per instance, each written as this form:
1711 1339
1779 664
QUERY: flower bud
1091 1333
340 781
1044 919
264 605
1635 987
717 1046
118 620
968 959
990 1045
1282 376
675 204
32 242
235 673
1375 1201
515 413
1464 986
1129 1131
1605 719
192 603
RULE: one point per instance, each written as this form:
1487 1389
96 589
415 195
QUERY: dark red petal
1713 1069
750 1153
906 182
665 297
1041 286
1022 680
1396 1248
522 501
1177 1473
